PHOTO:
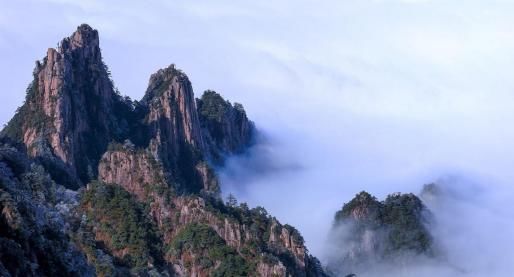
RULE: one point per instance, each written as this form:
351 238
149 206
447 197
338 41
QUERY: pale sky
382 95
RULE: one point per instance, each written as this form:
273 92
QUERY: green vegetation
260 226
361 200
123 224
401 219
32 238
370 210
26 115
228 128
403 214
161 81
213 107
208 248
215 112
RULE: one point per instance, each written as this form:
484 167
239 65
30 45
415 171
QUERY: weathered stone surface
226 128
172 111
134 170
71 111
271 270
174 130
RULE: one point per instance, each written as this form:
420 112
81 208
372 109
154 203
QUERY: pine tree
231 200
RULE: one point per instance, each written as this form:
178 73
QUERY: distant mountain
93 183
368 233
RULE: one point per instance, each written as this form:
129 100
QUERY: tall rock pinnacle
69 114
72 113
172 108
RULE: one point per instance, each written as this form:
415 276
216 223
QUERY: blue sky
382 95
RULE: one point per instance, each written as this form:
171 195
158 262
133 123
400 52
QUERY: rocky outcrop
271 270
367 232
172 110
287 239
133 169
239 228
34 221
226 127
117 234
243 230
174 132
71 111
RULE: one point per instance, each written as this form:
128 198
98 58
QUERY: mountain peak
161 80
85 40
143 163
85 36
84 27
368 230
69 116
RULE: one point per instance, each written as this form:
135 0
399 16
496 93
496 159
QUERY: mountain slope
137 192
34 221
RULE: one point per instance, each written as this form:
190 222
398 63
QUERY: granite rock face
175 137
226 127
72 110
114 187
172 109
281 247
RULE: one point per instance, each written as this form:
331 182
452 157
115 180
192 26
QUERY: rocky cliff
71 111
367 233
124 187
227 129
250 236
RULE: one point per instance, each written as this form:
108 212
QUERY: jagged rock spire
171 101
69 115
72 113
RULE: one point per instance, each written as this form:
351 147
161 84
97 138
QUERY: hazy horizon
375 95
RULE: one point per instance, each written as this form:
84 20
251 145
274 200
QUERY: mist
375 95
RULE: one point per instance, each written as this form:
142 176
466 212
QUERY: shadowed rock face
175 136
226 127
368 232
144 199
